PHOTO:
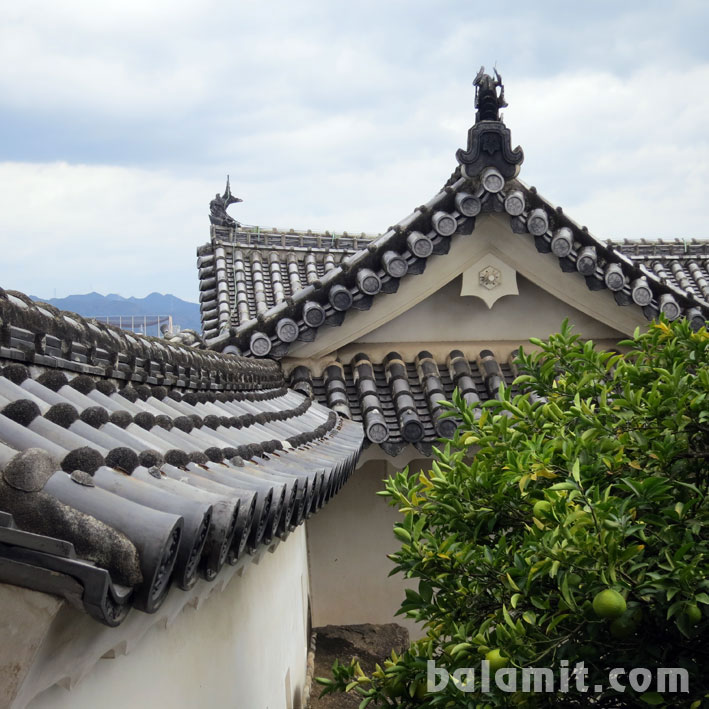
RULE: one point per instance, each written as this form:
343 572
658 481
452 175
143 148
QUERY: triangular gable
492 243
449 317
262 304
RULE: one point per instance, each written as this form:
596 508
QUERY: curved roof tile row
604 264
39 333
128 466
271 298
399 402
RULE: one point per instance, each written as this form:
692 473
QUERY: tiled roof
399 402
260 290
681 263
39 333
667 278
246 273
128 465
257 297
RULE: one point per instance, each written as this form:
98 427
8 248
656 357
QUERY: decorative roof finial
218 207
489 142
487 100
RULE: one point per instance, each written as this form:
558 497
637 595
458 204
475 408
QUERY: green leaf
460 647
556 620
426 591
529 617
652 698
563 486
576 471
402 534
508 618
566 594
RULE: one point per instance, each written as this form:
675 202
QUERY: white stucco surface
241 648
26 616
348 543
447 316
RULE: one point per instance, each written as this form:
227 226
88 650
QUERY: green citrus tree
564 527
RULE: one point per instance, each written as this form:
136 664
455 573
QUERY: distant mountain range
184 314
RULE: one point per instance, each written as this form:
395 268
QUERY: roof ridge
274 238
38 333
294 298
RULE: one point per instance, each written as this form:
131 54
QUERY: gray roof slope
128 465
261 291
399 402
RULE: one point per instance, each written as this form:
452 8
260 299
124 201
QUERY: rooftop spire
487 99
489 141
218 207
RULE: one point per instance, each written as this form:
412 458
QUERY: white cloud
627 156
122 119
76 228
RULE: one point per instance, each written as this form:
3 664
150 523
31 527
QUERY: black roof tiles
299 292
399 402
265 285
129 465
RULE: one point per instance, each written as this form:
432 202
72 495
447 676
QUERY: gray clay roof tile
261 279
398 402
130 465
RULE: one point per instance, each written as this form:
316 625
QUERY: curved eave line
345 274
421 219
631 270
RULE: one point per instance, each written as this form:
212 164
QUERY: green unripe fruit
542 509
496 660
609 604
692 613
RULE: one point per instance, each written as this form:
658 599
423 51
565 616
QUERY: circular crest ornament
490 277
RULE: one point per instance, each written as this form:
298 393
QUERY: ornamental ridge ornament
218 207
487 100
489 140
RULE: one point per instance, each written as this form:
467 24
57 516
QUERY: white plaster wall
348 543
243 648
24 619
446 316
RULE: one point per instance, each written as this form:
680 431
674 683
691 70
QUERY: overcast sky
120 120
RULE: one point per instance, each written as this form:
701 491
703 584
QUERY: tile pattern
399 402
261 270
40 334
659 277
257 297
129 466
681 263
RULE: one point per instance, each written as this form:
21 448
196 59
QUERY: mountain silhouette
184 314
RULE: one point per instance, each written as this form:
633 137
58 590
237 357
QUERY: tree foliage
596 477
